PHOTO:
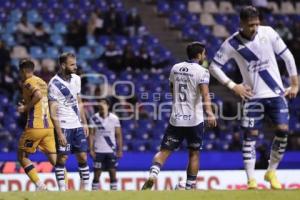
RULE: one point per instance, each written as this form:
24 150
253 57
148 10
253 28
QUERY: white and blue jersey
187 107
65 93
105 135
256 61
258 66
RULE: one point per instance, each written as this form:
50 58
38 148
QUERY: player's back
38 116
187 103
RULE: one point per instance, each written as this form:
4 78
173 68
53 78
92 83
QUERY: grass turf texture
157 195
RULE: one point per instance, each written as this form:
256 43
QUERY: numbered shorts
76 141
255 110
174 136
41 138
105 161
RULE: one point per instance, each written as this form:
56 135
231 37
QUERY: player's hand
244 91
291 92
86 130
21 108
62 139
119 154
211 120
93 154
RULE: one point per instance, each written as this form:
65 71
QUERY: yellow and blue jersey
38 116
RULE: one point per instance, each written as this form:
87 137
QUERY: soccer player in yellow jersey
39 131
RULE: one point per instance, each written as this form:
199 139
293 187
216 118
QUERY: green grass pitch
156 195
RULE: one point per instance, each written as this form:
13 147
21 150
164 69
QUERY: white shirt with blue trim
105 135
187 101
65 93
256 61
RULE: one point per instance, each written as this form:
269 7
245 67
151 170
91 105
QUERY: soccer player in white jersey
105 141
69 119
189 86
253 48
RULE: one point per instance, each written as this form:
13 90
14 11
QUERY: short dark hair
106 99
26 63
248 12
64 56
194 48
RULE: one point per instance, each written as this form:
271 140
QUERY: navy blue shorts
174 136
76 141
255 110
105 161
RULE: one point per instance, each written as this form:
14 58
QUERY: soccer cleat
271 177
148 184
252 185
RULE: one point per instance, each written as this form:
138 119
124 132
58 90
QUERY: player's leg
192 169
28 144
253 114
83 169
113 178
60 171
194 142
111 160
80 147
98 165
62 157
171 141
278 112
249 156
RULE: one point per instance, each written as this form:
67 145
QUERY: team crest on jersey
183 69
263 40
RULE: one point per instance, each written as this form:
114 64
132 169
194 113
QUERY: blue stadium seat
52 52
57 40
69 49
36 52
85 53
33 16
60 28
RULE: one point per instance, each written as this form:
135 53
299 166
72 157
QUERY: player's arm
92 131
211 119
119 141
281 49
53 107
292 70
220 59
171 88
36 97
82 116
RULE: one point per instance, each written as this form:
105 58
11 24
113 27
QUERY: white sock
249 157
278 148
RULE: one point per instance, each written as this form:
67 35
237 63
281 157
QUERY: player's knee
193 154
82 164
61 159
282 133
251 135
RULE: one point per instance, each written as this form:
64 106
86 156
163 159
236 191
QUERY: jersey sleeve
204 77
117 122
31 86
223 55
52 93
171 77
78 84
277 43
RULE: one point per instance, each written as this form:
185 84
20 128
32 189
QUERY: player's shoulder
33 82
75 76
266 30
52 79
113 116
